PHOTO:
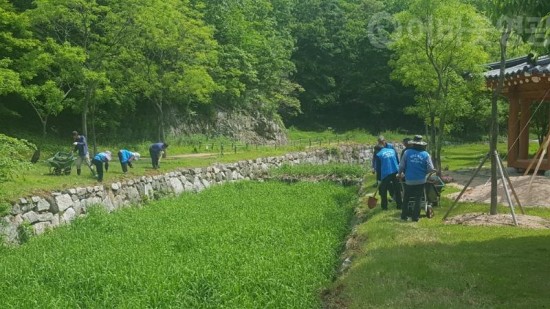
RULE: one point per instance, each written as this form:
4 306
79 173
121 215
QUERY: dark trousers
391 185
99 169
412 192
154 158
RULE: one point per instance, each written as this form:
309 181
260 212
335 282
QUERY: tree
342 65
92 27
436 44
174 57
15 41
255 46
48 79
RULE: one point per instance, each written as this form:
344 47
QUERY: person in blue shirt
80 145
414 167
100 159
387 167
381 143
126 157
155 151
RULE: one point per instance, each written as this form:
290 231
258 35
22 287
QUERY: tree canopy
135 68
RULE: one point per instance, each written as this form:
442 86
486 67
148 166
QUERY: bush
15 155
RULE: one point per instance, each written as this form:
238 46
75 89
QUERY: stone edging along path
61 207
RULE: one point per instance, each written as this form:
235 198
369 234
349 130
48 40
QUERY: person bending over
100 159
155 150
126 157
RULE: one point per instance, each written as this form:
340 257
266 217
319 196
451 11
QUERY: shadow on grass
508 271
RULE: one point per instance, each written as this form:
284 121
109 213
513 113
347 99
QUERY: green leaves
15 156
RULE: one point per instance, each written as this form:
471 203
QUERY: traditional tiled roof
522 65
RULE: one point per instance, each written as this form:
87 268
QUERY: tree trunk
160 120
94 139
85 113
494 118
439 145
44 125
436 157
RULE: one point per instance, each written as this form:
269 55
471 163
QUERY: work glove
75 143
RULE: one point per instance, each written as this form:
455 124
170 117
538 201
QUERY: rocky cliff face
241 126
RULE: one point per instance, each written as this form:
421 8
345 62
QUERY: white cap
136 156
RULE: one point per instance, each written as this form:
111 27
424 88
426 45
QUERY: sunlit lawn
431 264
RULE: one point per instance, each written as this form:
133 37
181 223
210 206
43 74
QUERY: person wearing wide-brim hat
418 143
415 166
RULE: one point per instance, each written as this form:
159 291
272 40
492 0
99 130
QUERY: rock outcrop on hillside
241 126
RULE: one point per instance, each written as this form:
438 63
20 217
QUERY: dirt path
192 155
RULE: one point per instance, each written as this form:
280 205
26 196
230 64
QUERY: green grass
39 178
238 249
308 170
465 156
228 246
431 264
183 152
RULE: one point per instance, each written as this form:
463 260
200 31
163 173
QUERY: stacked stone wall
61 207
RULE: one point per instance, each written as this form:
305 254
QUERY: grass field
251 245
242 245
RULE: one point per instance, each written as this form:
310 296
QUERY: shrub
15 155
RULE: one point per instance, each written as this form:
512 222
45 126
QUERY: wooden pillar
513 128
524 125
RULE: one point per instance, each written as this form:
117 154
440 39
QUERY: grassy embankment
183 152
431 264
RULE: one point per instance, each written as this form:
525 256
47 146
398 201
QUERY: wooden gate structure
526 83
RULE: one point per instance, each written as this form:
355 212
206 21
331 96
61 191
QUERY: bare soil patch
479 191
530 194
482 219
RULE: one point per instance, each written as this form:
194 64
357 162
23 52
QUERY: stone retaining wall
62 207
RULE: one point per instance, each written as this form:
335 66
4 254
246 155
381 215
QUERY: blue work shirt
125 155
416 164
156 148
386 162
81 146
103 157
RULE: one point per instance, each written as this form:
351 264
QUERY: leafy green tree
255 46
438 43
92 27
15 41
341 59
48 78
175 54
